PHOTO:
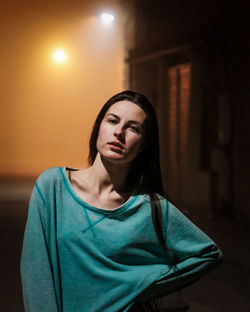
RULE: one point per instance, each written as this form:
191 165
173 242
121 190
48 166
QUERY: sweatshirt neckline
85 204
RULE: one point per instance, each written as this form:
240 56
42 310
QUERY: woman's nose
119 132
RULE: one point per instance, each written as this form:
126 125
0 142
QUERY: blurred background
62 60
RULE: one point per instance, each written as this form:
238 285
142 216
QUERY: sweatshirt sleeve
36 270
195 255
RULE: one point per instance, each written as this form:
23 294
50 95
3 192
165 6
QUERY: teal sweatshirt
78 258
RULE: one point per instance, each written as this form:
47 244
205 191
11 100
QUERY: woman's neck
106 176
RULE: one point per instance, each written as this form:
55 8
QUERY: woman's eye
112 121
135 129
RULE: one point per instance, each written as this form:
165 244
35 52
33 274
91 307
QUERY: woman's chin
115 157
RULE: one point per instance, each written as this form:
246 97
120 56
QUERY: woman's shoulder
158 198
49 173
49 177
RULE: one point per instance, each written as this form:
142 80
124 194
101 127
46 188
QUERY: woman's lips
116 145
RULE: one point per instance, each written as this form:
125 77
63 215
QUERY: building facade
192 60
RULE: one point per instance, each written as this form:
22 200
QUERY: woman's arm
195 253
36 270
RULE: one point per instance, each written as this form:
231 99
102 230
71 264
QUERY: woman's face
121 132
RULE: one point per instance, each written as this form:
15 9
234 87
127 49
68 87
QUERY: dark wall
214 39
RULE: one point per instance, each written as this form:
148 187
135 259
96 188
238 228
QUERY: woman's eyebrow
130 121
114 115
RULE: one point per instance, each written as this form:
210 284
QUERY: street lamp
59 56
107 18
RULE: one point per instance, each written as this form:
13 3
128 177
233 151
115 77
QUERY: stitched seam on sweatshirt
40 193
91 225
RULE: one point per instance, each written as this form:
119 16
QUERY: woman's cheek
135 143
103 133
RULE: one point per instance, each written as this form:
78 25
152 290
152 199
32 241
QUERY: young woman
104 238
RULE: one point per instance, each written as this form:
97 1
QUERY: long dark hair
144 176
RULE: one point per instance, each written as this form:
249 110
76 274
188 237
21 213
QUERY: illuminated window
179 78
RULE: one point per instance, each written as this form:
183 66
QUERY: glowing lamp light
59 56
107 18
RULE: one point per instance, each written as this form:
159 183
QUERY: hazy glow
59 56
57 100
107 18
